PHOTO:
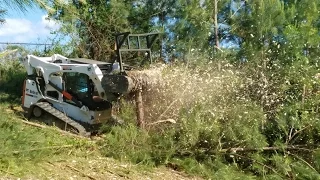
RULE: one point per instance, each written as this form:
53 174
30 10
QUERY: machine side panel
57 81
31 93
74 112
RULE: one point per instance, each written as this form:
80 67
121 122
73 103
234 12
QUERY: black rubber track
61 116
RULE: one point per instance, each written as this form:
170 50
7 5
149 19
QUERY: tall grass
23 146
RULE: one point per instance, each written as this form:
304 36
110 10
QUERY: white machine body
46 81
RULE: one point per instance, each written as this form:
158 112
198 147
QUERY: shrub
229 124
12 75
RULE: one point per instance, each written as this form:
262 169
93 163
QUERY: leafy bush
12 75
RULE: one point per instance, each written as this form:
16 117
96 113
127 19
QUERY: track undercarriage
44 112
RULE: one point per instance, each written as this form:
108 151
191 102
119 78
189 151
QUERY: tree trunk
216 32
140 110
134 82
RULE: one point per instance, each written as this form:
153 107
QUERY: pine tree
92 25
192 26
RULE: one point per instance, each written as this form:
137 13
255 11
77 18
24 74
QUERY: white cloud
15 26
24 30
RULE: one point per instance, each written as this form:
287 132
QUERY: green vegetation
248 111
23 146
223 128
28 152
226 135
12 75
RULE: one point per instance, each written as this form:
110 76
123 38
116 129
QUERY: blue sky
31 27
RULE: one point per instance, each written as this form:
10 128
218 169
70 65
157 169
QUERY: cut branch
81 172
39 149
172 121
297 132
59 130
297 148
308 164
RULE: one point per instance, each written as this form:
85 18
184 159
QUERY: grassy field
29 152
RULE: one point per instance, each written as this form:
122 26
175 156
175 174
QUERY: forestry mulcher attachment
77 93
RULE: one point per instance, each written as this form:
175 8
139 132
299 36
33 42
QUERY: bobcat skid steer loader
77 94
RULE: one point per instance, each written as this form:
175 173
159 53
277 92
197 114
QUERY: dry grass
94 168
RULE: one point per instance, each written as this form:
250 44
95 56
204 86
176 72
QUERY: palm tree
21 5
2 13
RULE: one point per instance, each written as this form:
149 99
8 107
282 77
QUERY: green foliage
126 111
92 25
184 25
12 75
193 25
303 171
21 5
246 117
257 24
125 144
265 126
2 13
23 146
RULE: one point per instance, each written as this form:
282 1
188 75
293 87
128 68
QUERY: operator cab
80 86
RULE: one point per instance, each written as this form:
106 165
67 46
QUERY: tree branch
303 161
60 131
81 172
297 147
39 149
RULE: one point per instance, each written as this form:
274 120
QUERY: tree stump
139 109
134 83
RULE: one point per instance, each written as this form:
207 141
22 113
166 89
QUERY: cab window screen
77 84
